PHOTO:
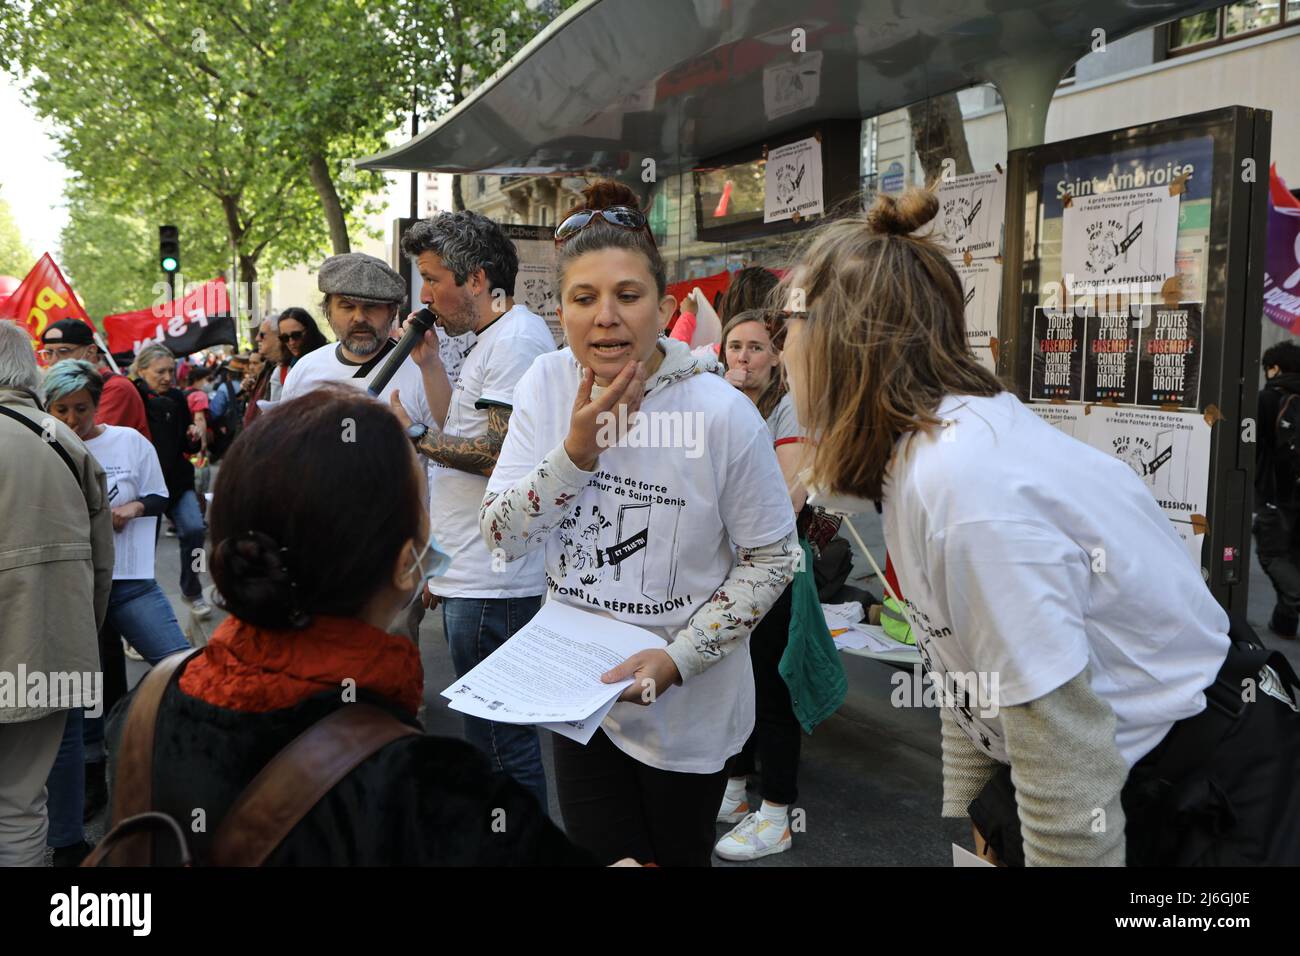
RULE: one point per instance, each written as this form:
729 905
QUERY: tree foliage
16 258
239 119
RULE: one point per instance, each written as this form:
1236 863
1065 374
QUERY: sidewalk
870 777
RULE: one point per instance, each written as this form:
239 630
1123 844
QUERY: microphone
419 323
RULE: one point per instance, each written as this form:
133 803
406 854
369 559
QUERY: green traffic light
169 264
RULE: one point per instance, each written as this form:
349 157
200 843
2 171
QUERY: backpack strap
40 432
297 778
1281 412
133 772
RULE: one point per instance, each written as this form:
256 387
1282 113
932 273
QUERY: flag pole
103 350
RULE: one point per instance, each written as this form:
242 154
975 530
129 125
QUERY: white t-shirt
326 364
650 538
131 471
1025 554
498 357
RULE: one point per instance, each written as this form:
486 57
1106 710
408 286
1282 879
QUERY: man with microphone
362 297
469 266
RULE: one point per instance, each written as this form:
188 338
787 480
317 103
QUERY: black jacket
169 421
419 801
1275 480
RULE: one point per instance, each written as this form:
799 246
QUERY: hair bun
604 193
902 215
257 584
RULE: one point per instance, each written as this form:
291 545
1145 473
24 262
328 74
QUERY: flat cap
359 276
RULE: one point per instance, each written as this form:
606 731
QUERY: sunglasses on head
287 337
624 217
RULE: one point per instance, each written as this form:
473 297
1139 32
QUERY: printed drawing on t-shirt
622 552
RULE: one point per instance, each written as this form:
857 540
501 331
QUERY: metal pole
415 129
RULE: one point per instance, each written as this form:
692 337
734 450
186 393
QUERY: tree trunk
457 197
938 135
248 278
329 200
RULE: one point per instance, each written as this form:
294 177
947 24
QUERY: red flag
44 297
1278 193
195 321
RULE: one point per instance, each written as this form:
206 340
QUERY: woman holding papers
311 601
652 486
1075 645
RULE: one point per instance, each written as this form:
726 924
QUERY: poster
535 282
1057 370
1169 355
1120 241
792 181
1170 452
1069 418
971 212
981 286
1110 357
790 87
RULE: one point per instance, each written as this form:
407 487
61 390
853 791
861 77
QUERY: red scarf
254 669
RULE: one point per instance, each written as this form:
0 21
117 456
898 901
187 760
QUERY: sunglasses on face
624 217
287 337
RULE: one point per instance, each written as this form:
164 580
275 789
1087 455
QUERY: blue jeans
67 787
190 531
475 628
141 613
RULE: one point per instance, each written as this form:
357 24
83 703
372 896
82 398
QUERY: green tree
16 259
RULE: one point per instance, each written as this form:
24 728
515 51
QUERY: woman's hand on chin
588 434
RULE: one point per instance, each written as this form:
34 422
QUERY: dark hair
197 374
1285 355
749 289
281 553
602 194
466 242
312 338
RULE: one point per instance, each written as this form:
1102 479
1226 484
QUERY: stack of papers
842 615
548 673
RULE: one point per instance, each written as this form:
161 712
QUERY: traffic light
169 249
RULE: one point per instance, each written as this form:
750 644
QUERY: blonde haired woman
1098 746
175 437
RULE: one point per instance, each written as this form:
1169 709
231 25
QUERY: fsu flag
198 320
43 297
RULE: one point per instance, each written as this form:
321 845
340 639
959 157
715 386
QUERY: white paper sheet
841 615
133 550
581 730
870 637
792 181
549 671
964 857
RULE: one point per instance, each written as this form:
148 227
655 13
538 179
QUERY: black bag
226 428
1286 435
1219 790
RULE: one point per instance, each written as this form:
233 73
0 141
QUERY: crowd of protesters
479 481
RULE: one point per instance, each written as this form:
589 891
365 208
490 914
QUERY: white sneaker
752 838
201 608
733 811
130 651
